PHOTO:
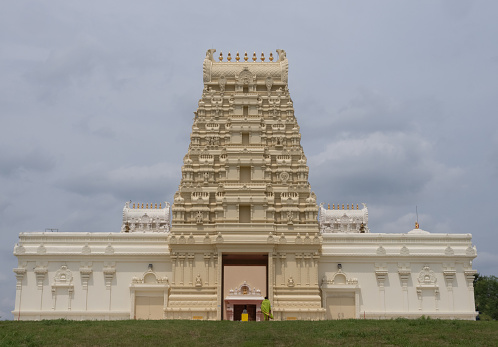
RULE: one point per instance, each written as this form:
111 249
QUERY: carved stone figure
198 281
199 217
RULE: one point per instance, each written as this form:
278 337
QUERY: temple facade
244 224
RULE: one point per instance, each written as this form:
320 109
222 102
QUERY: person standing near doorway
266 309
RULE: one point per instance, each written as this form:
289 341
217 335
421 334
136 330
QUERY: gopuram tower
244 219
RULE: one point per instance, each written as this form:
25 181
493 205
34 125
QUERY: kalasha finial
271 56
221 56
333 206
343 206
262 56
237 57
229 56
246 57
328 206
357 206
254 56
417 225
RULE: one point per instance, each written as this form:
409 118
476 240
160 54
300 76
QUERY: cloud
124 183
485 263
380 166
14 162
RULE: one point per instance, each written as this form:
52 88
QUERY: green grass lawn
420 332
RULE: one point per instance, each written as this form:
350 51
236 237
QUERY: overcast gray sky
397 103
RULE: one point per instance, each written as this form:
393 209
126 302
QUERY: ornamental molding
213 70
150 277
85 273
40 272
381 273
339 278
19 249
109 271
63 278
20 272
243 291
469 277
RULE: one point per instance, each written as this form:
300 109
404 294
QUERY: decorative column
190 258
207 260
307 263
109 271
282 257
381 273
316 256
469 276
271 275
40 272
20 272
273 279
299 265
85 273
404 276
449 276
218 265
174 259
181 258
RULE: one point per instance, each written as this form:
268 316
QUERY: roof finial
221 56
262 56
237 57
254 56
271 56
229 57
416 223
328 207
245 56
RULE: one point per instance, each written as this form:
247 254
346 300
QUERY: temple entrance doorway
244 283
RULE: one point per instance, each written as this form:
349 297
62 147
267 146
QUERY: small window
244 214
245 111
245 174
245 139
245 89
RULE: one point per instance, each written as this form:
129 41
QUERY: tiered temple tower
244 198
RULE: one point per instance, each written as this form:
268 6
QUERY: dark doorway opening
244 259
238 309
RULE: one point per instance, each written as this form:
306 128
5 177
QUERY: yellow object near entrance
244 317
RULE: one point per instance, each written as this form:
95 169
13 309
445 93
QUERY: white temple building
244 224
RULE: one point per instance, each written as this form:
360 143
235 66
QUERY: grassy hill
421 332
